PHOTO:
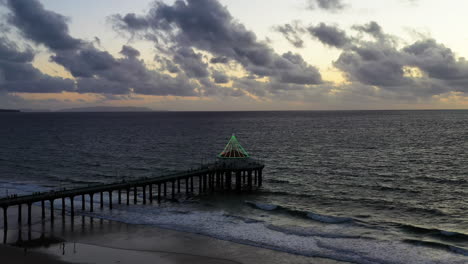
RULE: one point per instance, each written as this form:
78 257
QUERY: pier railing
211 178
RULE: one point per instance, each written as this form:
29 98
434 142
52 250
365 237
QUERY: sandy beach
93 240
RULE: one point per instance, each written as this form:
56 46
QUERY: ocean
356 186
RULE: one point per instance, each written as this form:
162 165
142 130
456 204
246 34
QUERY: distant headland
108 109
9 111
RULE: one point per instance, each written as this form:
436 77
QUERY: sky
223 55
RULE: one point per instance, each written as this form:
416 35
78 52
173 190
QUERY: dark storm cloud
208 26
329 35
330 5
372 28
129 52
40 25
134 22
220 60
220 77
86 61
95 70
17 74
191 62
292 33
9 51
382 63
437 60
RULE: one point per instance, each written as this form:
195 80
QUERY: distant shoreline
9 111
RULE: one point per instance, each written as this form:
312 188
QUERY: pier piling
91 202
19 214
210 179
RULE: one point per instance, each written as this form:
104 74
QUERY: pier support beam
102 199
186 186
144 194
135 193
255 176
51 210
91 202
5 219
178 185
128 196
150 190
159 193
72 206
63 206
200 187
217 180
110 200
173 189
19 214
29 214
205 179
210 181
260 180
249 180
238 181
228 180
83 204
165 189
191 184
119 194
43 210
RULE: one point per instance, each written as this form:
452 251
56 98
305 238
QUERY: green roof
233 150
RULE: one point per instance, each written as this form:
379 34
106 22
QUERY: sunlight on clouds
452 99
43 63
412 72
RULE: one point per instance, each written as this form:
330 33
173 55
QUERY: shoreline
95 240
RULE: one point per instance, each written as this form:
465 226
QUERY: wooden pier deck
210 178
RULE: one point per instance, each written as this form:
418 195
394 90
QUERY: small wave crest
304 231
452 248
329 219
434 232
262 206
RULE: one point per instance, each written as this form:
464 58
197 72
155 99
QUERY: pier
234 171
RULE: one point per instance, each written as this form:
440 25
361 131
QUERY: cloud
220 77
329 35
292 33
382 63
17 74
220 60
129 52
407 72
95 71
40 25
191 62
208 26
329 5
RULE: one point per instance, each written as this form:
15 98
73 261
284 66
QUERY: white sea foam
328 243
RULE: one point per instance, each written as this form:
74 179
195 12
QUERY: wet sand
93 240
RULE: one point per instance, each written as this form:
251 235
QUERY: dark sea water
358 186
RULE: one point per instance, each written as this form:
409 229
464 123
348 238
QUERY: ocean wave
328 219
443 180
452 248
277 181
335 242
263 206
304 231
434 232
